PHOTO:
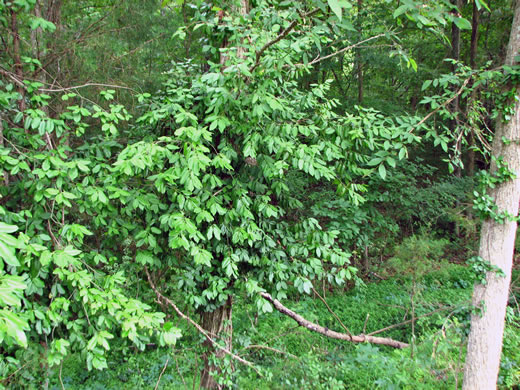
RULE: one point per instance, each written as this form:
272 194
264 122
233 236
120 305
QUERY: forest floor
290 357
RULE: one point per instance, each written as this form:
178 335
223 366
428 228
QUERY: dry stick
343 50
161 374
20 83
201 330
332 312
365 324
280 36
331 333
408 321
271 349
179 371
59 376
443 105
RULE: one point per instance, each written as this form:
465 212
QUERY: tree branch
331 333
280 36
162 298
443 105
319 59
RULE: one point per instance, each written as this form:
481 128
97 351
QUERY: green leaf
7 253
4 228
462 23
426 84
382 171
336 7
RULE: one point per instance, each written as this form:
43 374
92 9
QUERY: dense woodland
259 194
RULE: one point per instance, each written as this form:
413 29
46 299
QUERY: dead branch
319 59
407 321
162 298
255 346
332 312
331 333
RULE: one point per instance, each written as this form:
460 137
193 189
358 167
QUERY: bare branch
408 321
332 312
255 346
319 59
331 333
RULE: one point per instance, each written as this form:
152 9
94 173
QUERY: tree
497 238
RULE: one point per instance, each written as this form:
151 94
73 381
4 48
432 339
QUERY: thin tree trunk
455 54
359 59
218 324
473 64
6 175
497 243
18 67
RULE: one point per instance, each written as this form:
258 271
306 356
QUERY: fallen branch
331 333
162 298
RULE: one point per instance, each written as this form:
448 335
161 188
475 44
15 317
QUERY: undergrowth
290 357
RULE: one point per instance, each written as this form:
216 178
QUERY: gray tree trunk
497 243
219 326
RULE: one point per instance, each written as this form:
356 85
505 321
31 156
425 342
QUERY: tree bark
218 323
362 338
497 243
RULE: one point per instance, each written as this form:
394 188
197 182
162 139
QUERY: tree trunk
497 243
18 67
473 64
359 59
219 326
218 323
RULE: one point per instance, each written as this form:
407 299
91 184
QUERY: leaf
382 171
4 228
336 7
426 84
144 257
7 254
375 161
480 4
462 23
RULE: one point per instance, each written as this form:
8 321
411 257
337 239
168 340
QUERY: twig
179 371
59 376
343 50
280 36
443 105
201 330
161 374
365 324
83 86
271 349
332 312
331 333
408 321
